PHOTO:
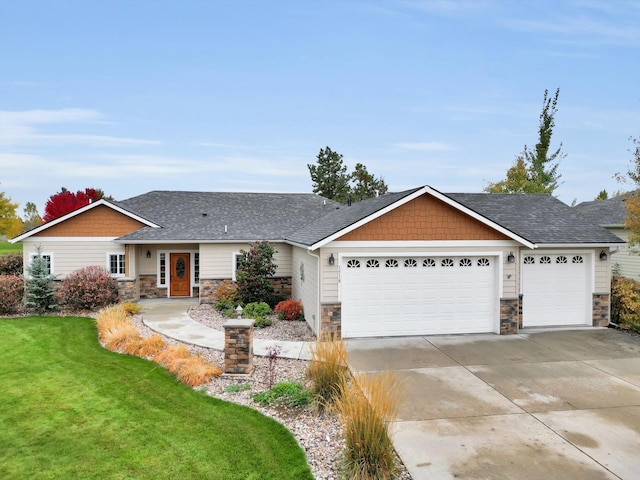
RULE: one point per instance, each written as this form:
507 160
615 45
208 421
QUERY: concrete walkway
169 317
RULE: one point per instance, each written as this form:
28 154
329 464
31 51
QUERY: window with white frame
235 259
162 269
116 264
48 258
196 268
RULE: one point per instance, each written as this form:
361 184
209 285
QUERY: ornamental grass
151 346
122 337
194 371
168 357
366 406
328 368
109 317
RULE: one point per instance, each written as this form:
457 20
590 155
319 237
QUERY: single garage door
393 296
556 289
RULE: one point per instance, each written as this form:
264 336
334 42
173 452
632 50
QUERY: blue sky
138 95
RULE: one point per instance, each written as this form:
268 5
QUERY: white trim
79 211
579 245
434 193
166 270
194 241
318 321
423 244
75 239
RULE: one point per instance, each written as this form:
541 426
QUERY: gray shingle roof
308 218
343 217
604 212
538 218
202 216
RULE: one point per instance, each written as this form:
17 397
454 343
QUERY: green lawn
71 409
6 247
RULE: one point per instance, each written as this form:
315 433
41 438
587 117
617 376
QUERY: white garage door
387 296
556 289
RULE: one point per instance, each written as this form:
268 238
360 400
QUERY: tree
63 202
632 200
365 184
31 216
10 223
255 267
39 290
330 179
329 176
603 195
540 167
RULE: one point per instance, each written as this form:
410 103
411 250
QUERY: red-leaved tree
64 201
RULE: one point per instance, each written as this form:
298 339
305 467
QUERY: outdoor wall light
603 255
332 260
148 253
511 257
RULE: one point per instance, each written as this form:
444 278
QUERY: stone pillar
520 311
600 309
238 347
331 318
509 316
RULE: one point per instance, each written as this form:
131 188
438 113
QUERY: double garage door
418 295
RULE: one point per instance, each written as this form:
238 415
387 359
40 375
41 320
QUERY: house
416 262
611 214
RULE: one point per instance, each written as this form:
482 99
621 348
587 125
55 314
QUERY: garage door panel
415 298
556 289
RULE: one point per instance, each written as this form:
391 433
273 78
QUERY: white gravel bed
319 434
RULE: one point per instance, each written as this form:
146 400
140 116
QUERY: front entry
179 275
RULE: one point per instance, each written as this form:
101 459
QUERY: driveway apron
560 404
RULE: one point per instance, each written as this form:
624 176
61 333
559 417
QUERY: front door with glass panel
179 278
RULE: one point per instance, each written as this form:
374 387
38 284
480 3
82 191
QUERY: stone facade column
238 347
600 309
509 316
331 318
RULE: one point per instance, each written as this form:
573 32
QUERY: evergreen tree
39 289
255 267
365 184
329 176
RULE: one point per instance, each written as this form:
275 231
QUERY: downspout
318 319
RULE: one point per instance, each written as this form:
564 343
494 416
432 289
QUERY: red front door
179 275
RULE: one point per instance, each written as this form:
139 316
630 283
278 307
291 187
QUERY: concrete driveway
561 404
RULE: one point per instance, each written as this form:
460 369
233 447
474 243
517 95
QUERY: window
577 259
483 262
561 259
545 260
465 262
410 263
235 259
48 258
391 263
353 263
116 264
429 262
446 262
529 260
196 268
162 269
373 263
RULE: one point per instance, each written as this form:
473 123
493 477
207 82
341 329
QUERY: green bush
11 264
256 310
284 393
255 267
222 305
11 292
625 302
39 291
89 288
262 322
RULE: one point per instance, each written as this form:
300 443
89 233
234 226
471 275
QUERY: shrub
39 292
11 264
366 407
289 310
284 393
227 307
170 355
237 387
89 288
625 302
262 322
131 308
122 337
327 368
256 310
150 346
11 293
109 317
226 292
194 371
255 267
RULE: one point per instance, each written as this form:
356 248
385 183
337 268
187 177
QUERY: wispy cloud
426 146
25 128
447 7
